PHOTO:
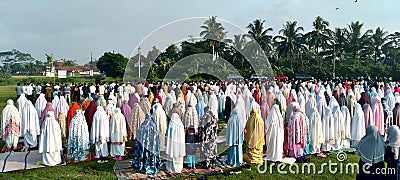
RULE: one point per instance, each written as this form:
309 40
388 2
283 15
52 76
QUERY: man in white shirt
24 89
29 92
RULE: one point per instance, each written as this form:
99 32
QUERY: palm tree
378 39
358 42
290 44
259 34
214 32
319 37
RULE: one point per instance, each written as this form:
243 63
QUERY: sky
74 29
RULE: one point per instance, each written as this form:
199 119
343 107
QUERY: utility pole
139 61
334 59
91 60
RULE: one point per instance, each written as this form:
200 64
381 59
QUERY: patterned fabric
146 155
207 138
78 140
297 134
139 112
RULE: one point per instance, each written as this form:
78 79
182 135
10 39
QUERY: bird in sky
337 8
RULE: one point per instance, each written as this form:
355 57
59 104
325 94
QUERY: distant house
77 70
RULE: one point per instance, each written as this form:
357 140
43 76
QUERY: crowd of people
278 119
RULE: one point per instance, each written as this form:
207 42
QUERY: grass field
92 170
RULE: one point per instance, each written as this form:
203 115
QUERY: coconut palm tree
290 43
260 34
358 41
214 32
378 40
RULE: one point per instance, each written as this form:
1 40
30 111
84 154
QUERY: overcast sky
73 29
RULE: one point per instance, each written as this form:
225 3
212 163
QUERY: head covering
255 130
50 139
10 124
49 107
62 107
371 147
175 141
72 111
91 109
133 100
100 131
393 133
234 132
126 110
40 104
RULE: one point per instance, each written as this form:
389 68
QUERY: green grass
92 170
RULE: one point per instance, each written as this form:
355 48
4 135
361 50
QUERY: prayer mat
124 170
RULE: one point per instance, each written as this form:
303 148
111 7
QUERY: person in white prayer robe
175 144
160 118
347 124
50 145
118 135
328 126
30 128
241 110
10 125
282 101
316 131
390 99
302 102
55 101
181 103
21 102
190 117
100 134
357 125
40 105
274 134
213 103
310 104
338 127
61 112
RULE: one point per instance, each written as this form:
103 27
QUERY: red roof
74 68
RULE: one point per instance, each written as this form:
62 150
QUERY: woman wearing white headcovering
175 144
347 124
160 119
274 134
50 145
282 101
100 133
310 104
338 127
118 135
21 102
29 125
181 103
316 132
40 105
241 110
390 99
328 128
357 125
55 101
392 151
10 125
190 117
61 112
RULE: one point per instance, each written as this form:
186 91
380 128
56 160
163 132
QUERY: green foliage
113 64
69 62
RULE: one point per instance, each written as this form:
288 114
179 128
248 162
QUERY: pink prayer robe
296 134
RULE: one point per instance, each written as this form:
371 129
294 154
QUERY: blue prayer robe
146 154
234 139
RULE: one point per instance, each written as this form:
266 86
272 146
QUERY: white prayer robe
160 119
274 134
100 132
50 145
328 127
40 105
357 125
30 128
213 104
347 124
240 106
118 134
175 144
55 101
316 131
338 128
10 114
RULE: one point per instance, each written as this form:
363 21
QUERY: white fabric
40 105
175 144
30 128
274 134
118 134
347 124
316 131
100 132
213 104
357 124
10 112
55 102
50 141
160 119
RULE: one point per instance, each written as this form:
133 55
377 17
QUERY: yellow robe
254 138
